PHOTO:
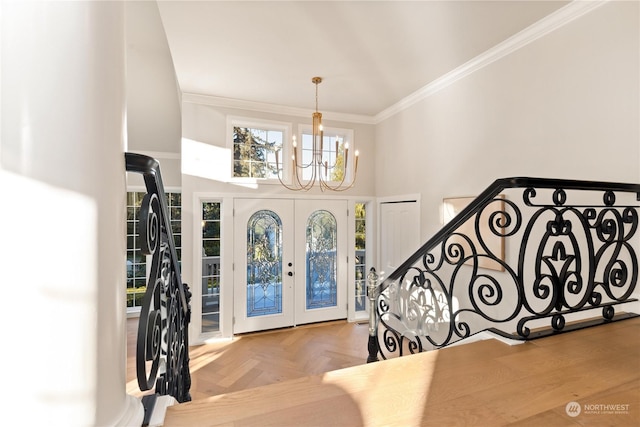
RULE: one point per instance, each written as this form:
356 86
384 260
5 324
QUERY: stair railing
162 351
568 251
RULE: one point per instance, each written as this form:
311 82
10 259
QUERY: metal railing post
372 287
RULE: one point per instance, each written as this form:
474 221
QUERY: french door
290 262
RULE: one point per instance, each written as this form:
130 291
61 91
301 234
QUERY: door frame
294 214
196 336
415 197
302 314
192 270
285 210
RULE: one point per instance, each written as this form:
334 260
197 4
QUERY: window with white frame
361 257
211 271
255 145
136 261
335 155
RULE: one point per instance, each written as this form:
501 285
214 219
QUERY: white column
62 213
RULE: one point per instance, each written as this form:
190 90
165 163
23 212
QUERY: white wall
564 106
154 124
207 124
63 240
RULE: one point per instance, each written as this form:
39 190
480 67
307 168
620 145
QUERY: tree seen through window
254 152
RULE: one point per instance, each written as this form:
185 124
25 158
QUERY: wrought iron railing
162 353
541 257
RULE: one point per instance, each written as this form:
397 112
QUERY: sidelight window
136 261
211 266
361 259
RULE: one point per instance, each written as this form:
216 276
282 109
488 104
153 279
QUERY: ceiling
371 54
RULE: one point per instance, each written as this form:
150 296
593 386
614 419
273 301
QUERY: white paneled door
399 233
321 260
290 262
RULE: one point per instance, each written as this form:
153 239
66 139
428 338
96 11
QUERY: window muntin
254 151
361 260
136 261
211 272
174 204
334 142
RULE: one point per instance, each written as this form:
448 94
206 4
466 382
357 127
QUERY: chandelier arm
294 188
320 171
299 181
339 186
298 186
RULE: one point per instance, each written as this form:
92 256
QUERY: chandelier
318 169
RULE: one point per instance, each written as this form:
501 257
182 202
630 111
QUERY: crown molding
546 25
263 107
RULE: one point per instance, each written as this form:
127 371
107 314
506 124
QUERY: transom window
254 151
260 147
334 142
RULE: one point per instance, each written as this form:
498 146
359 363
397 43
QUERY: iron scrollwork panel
162 351
570 258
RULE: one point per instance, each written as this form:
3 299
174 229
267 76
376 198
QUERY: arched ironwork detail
571 252
162 350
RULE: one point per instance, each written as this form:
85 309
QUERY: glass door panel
321 268
290 262
211 272
263 276
264 264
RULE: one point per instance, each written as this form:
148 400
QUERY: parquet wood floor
263 358
589 377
